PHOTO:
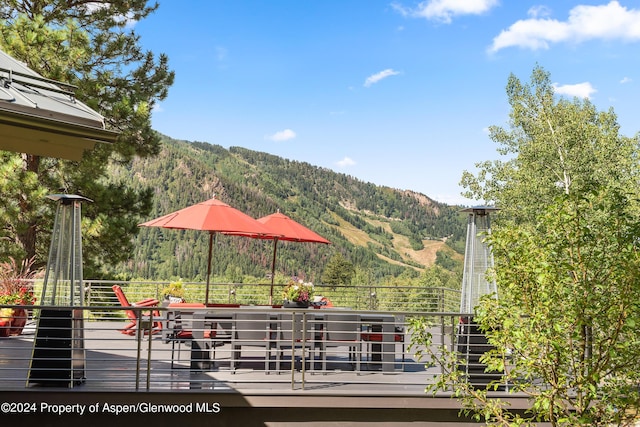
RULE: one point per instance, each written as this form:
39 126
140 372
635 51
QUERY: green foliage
566 249
87 45
446 261
554 147
568 309
338 271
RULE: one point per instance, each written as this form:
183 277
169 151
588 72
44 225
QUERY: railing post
139 333
149 350
442 339
293 349
304 345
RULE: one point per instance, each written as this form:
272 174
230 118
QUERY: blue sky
397 93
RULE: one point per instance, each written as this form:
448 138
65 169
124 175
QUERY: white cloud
283 135
347 161
445 10
375 78
580 90
539 11
607 22
129 22
625 80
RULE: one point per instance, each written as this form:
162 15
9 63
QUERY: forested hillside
381 231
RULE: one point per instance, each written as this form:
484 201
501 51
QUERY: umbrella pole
206 297
273 269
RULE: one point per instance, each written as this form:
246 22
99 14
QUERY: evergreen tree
338 271
91 45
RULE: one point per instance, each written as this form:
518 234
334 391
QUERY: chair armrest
148 302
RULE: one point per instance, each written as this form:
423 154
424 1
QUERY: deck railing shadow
112 360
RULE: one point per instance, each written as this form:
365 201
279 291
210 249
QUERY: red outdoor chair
133 315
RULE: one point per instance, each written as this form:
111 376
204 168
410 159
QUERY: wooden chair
133 315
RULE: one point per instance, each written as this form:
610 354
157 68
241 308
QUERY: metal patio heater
478 258
58 351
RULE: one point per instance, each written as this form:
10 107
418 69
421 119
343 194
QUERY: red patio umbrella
284 228
213 216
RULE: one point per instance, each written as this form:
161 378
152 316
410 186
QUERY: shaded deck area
129 378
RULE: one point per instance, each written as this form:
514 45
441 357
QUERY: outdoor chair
342 330
179 328
290 336
136 316
369 337
251 329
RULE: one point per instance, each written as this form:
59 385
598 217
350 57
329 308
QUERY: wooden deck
124 373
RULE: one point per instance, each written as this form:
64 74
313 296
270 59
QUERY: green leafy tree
90 45
565 326
553 147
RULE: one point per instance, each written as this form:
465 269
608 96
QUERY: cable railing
376 298
188 346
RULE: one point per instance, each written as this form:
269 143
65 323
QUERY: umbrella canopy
284 228
213 216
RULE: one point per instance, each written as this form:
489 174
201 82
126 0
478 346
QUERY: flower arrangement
15 288
298 291
174 292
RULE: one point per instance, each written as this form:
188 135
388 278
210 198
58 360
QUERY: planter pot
295 304
170 299
12 322
18 321
5 326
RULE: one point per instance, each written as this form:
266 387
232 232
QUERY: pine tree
91 45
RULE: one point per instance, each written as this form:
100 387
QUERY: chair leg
323 353
173 348
235 357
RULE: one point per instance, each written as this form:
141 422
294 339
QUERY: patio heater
58 351
478 258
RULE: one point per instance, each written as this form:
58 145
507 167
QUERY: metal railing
158 348
376 298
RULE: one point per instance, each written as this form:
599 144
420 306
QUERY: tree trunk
27 235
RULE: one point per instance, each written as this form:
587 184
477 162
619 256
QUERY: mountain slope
380 229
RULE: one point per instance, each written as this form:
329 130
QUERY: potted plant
297 294
15 289
173 292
